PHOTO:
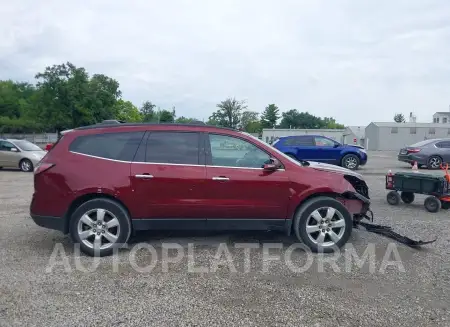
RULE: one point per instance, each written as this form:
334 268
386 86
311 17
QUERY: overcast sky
356 60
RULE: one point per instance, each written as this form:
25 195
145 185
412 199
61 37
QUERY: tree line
65 96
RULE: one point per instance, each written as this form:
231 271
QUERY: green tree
330 123
166 116
229 113
250 122
148 111
295 119
126 111
399 118
67 97
270 116
15 98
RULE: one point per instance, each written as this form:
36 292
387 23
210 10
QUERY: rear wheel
350 161
26 165
99 226
407 197
432 204
434 162
393 198
323 224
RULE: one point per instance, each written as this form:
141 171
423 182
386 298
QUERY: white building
354 135
441 117
394 136
270 134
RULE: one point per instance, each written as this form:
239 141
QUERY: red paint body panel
180 191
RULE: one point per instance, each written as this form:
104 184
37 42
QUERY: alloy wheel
98 229
351 162
325 226
25 165
435 162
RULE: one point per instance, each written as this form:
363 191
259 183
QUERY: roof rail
111 125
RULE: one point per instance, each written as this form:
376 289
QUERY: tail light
413 150
42 166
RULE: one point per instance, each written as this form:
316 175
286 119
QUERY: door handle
144 176
220 178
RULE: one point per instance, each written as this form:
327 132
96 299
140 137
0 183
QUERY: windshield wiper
304 162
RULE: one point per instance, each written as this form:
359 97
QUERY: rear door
237 186
444 150
301 146
167 176
325 150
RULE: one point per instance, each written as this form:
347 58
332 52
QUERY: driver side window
322 141
228 151
6 146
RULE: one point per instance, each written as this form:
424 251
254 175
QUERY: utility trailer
411 183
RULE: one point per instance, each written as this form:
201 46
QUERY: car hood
333 169
355 146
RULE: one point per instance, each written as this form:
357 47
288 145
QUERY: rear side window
173 148
299 141
117 146
443 144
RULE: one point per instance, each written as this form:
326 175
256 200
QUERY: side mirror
14 150
273 165
336 145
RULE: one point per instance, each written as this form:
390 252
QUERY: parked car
98 183
322 149
20 154
429 153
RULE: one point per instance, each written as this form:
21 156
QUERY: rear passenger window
117 146
173 147
299 141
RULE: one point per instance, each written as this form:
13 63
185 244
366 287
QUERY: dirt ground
44 281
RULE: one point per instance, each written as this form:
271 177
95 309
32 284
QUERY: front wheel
99 226
432 204
26 165
350 161
323 224
393 198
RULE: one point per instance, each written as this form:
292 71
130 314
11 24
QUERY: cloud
358 61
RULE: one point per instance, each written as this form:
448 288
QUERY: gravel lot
413 293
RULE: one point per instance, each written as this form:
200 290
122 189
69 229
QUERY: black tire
432 204
407 197
123 231
26 165
350 161
393 198
434 162
302 218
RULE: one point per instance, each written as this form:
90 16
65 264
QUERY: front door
236 185
326 151
168 175
9 154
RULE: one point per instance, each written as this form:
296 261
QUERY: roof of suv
112 124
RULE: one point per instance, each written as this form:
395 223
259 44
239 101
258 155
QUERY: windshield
25 145
274 149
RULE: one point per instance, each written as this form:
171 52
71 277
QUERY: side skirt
209 224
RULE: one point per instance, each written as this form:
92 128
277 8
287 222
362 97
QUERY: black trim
57 223
357 196
209 224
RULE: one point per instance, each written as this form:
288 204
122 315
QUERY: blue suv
322 149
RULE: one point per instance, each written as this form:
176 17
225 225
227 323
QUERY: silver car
430 153
20 154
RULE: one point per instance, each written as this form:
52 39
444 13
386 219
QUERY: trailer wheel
432 204
445 205
393 198
407 197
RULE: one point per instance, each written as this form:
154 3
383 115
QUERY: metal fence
37 138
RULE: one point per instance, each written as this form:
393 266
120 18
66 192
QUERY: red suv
99 183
